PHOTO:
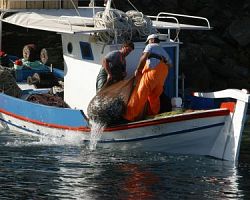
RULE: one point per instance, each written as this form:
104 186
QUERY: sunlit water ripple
36 168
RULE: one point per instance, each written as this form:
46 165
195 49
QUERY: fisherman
114 66
31 59
151 74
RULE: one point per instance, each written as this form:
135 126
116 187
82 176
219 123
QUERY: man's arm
105 64
142 62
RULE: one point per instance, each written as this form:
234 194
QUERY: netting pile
47 99
109 104
8 83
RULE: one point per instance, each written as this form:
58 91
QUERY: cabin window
70 47
86 51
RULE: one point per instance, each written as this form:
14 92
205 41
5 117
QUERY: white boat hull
187 134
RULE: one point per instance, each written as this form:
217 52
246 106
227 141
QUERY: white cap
151 37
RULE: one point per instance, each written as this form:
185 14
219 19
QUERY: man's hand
138 73
109 77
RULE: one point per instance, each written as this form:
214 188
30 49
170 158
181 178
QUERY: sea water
31 168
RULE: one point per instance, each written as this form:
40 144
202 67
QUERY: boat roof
81 20
55 20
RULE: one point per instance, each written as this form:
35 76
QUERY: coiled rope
122 26
118 23
141 24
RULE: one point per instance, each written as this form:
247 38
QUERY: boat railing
78 20
69 21
61 21
162 15
157 18
160 21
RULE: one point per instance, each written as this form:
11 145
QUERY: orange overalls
148 88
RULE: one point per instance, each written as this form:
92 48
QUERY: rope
118 23
141 23
122 26
75 8
132 5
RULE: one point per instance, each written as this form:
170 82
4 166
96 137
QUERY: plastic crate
22 75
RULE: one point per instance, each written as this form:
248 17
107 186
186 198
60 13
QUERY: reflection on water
138 183
31 169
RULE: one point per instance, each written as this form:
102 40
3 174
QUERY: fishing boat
88 34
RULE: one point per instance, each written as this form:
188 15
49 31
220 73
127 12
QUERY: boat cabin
89 33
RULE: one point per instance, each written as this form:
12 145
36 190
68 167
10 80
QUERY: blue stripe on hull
42 113
161 135
21 127
128 140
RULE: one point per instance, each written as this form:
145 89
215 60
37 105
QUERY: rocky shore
215 59
210 60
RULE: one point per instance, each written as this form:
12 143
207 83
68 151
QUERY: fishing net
47 99
109 104
8 83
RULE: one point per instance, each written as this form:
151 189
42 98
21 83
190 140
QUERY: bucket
18 64
176 103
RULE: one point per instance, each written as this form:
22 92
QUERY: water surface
43 168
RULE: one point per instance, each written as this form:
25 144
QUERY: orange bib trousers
147 89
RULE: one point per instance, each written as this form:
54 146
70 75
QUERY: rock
240 31
212 51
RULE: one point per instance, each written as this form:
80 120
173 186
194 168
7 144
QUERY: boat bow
227 146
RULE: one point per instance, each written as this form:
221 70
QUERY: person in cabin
151 74
114 66
31 59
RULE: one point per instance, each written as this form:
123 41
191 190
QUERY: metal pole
93 4
1 29
177 70
108 6
183 85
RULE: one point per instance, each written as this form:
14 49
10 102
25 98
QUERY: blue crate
22 75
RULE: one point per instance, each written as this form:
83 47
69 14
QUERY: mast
92 3
108 6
